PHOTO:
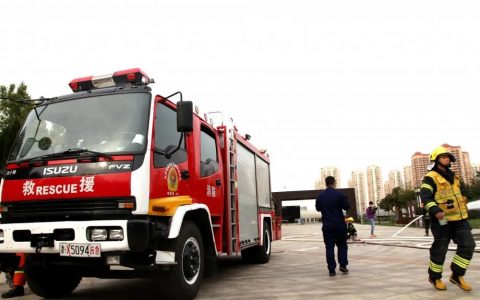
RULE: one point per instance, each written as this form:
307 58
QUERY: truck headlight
98 234
115 234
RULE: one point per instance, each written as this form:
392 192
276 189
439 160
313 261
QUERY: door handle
218 182
185 174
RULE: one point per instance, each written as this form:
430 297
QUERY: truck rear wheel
52 282
260 254
184 279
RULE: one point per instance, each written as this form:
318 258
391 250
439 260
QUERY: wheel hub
191 260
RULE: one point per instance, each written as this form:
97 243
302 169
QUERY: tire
183 281
260 254
52 282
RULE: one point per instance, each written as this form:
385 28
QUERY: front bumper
136 236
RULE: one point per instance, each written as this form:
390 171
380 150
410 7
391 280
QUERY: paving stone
381 268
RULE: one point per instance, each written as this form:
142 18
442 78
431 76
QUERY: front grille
65 210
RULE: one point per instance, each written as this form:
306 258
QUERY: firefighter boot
438 284
460 282
15 292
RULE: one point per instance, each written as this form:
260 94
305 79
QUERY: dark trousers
426 224
461 234
339 238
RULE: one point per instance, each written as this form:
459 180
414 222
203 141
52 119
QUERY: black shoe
15 292
332 273
344 270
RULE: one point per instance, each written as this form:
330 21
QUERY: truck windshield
113 124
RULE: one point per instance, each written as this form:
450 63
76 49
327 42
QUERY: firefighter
19 279
351 230
447 207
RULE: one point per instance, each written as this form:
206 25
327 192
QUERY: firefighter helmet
350 219
439 151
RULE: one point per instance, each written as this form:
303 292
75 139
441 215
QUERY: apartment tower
420 162
407 177
357 181
394 180
324 173
374 184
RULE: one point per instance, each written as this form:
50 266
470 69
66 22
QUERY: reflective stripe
436 268
464 260
461 262
427 186
430 204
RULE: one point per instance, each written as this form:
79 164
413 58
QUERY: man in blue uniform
331 204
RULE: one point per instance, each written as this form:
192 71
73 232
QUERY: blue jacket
331 203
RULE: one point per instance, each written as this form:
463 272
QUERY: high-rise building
386 188
407 177
462 166
374 184
357 181
324 173
394 180
420 163
475 171
467 166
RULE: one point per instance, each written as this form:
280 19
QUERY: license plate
80 249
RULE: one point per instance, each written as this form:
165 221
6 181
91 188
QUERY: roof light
120 78
81 84
103 81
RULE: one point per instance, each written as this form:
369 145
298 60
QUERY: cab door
210 185
169 173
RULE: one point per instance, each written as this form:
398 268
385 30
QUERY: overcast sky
318 83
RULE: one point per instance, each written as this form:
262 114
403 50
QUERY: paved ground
383 268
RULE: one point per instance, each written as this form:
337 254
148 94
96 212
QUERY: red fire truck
114 181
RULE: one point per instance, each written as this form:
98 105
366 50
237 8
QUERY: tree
472 192
408 199
12 115
387 203
399 199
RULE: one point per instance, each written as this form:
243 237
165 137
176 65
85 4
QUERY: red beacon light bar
120 78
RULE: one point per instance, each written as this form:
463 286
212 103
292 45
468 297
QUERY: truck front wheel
51 282
184 279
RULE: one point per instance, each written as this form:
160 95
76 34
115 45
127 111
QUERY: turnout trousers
461 234
19 278
338 238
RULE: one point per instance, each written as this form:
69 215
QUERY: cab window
208 153
167 137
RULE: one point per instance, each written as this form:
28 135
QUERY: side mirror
2 173
184 116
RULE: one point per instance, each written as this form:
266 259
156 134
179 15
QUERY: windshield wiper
73 151
66 153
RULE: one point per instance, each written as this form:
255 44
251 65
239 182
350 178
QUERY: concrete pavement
379 269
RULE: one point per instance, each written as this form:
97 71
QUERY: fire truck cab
114 181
